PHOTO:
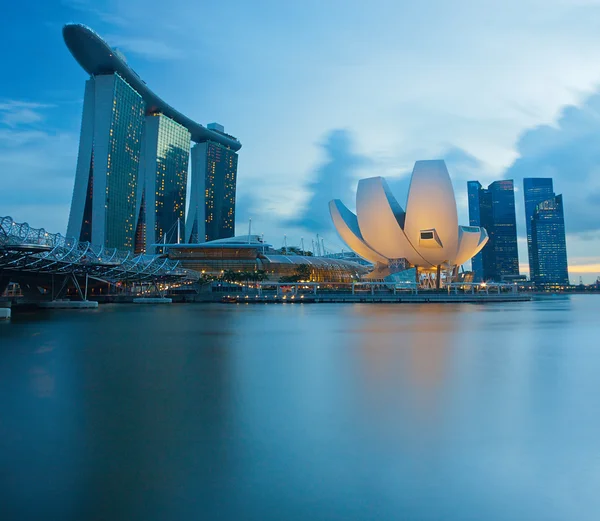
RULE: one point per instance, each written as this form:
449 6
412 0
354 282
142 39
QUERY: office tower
163 182
494 209
546 238
535 191
548 243
476 205
130 185
211 214
103 209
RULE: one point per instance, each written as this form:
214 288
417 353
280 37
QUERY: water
295 412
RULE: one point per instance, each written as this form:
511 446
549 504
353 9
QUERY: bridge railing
23 248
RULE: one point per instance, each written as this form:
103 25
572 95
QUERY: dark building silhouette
494 209
535 191
548 250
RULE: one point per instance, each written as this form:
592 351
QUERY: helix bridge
27 251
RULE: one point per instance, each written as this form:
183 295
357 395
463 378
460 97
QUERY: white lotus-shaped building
427 234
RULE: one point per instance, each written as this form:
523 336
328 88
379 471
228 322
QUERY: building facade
131 178
250 254
494 209
548 243
475 196
211 214
163 182
535 191
103 209
546 237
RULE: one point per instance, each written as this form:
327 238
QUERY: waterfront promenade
306 292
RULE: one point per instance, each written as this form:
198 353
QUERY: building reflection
405 358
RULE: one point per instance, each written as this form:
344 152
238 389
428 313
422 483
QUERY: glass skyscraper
535 191
131 180
211 213
163 178
546 237
494 209
476 196
103 210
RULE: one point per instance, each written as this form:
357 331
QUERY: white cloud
149 48
14 113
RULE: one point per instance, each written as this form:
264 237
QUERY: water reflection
302 412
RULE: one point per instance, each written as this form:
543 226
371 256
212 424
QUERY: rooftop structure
98 59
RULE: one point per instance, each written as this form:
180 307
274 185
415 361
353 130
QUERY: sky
322 93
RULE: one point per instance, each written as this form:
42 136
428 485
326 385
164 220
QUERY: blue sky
322 93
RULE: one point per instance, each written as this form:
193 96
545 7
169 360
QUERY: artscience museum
426 235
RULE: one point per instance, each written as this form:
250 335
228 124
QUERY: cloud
568 152
14 113
334 179
150 49
89 7
37 166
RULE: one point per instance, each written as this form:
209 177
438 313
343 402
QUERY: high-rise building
211 213
546 240
494 209
163 179
131 179
103 210
476 208
548 250
535 191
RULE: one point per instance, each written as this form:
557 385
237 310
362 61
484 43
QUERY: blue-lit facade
494 209
548 243
535 191
475 196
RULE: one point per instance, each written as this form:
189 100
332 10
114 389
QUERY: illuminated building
211 215
103 210
535 191
426 235
494 209
249 254
131 177
163 179
548 243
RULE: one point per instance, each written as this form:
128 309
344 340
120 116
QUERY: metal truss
29 250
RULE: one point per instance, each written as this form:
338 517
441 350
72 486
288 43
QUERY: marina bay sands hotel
134 152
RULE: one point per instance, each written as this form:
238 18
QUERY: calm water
296 412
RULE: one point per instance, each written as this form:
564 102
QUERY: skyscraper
131 179
494 209
546 238
211 214
163 179
103 210
476 196
535 191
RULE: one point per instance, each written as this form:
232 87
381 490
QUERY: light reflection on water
303 412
